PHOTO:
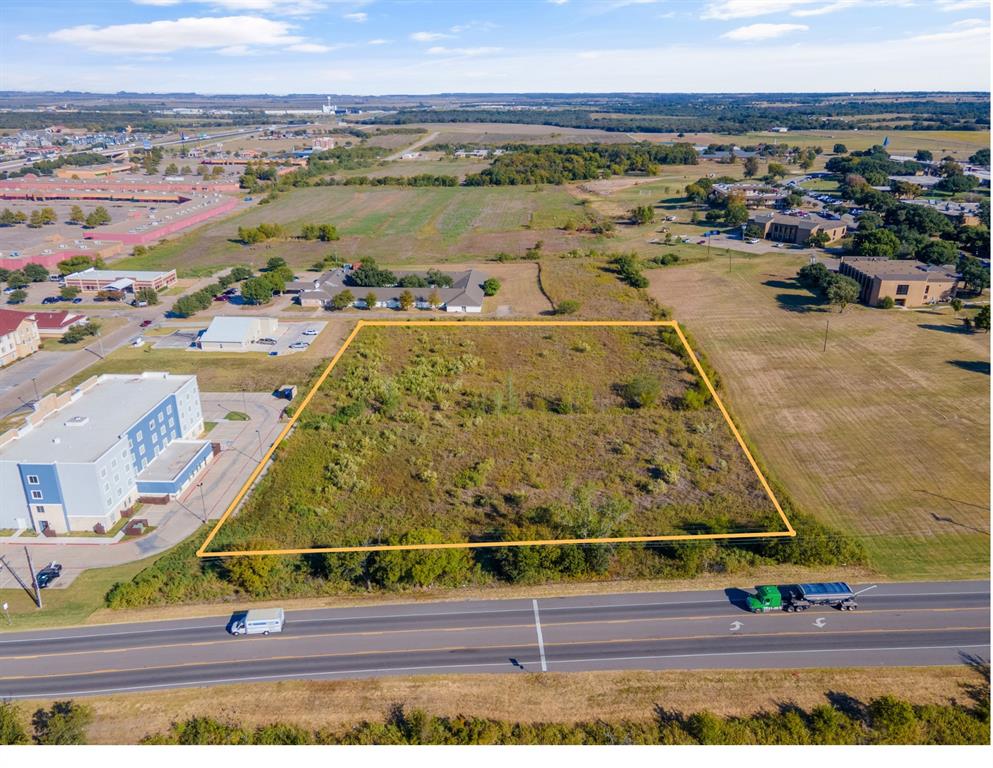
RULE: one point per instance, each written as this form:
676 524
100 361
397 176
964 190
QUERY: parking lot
286 336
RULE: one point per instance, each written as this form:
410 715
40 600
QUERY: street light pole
202 502
259 433
34 381
827 325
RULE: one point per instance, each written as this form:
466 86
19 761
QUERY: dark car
51 300
48 574
77 300
144 323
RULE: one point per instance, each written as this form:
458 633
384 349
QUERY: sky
375 47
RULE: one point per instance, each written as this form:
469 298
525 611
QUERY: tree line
559 163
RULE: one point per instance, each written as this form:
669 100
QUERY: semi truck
800 597
260 621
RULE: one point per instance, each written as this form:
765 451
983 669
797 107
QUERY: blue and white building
85 456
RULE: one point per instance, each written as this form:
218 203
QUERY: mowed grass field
958 144
395 225
503 434
884 434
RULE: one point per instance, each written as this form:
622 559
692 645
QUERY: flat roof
82 431
120 274
224 328
901 269
167 466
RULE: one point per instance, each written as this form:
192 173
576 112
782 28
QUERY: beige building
18 335
909 283
784 228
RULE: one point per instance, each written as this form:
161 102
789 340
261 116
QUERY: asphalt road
896 625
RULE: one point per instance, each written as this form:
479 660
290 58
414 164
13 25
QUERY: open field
396 225
959 144
225 371
528 698
566 449
429 162
496 134
886 434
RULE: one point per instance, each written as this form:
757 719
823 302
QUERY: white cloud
763 31
428 37
743 9
378 41
232 35
481 51
310 48
949 6
358 17
840 5
956 33
478 26
277 7
558 2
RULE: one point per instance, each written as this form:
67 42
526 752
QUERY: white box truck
260 621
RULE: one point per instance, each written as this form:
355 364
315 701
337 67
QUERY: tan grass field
886 434
521 697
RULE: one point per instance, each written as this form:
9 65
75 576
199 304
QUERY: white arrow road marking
736 625
819 622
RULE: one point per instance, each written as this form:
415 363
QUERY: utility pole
34 579
202 502
827 325
17 578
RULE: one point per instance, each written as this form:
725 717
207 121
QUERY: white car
299 345
310 332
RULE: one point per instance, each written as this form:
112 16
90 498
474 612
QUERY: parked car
266 341
48 574
311 332
144 323
299 345
77 300
222 297
51 300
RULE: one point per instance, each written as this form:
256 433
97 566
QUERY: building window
40 511
36 495
151 424
141 450
140 436
927 289
155 437
103 471
33 480
903 289
169 408
113 462
161 417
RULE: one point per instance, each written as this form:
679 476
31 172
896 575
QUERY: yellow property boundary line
202 551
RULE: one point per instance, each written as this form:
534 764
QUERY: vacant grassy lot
396 225
226 371
529 698
504 434
959 144
884 434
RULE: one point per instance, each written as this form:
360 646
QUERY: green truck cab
800 597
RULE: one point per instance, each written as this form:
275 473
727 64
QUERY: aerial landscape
577 372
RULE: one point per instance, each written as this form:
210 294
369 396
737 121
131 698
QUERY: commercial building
237 334
55 324
18 336
786 228
93 279
465 295
909 283
85 456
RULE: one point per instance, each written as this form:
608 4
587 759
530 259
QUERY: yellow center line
470 628
485 647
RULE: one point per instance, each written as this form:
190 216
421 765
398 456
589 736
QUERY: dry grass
601 295
885 434
523 697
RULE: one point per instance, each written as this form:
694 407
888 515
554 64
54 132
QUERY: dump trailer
800 597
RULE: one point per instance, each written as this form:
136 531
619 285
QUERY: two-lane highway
896 624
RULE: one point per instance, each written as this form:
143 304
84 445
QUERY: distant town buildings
84 457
